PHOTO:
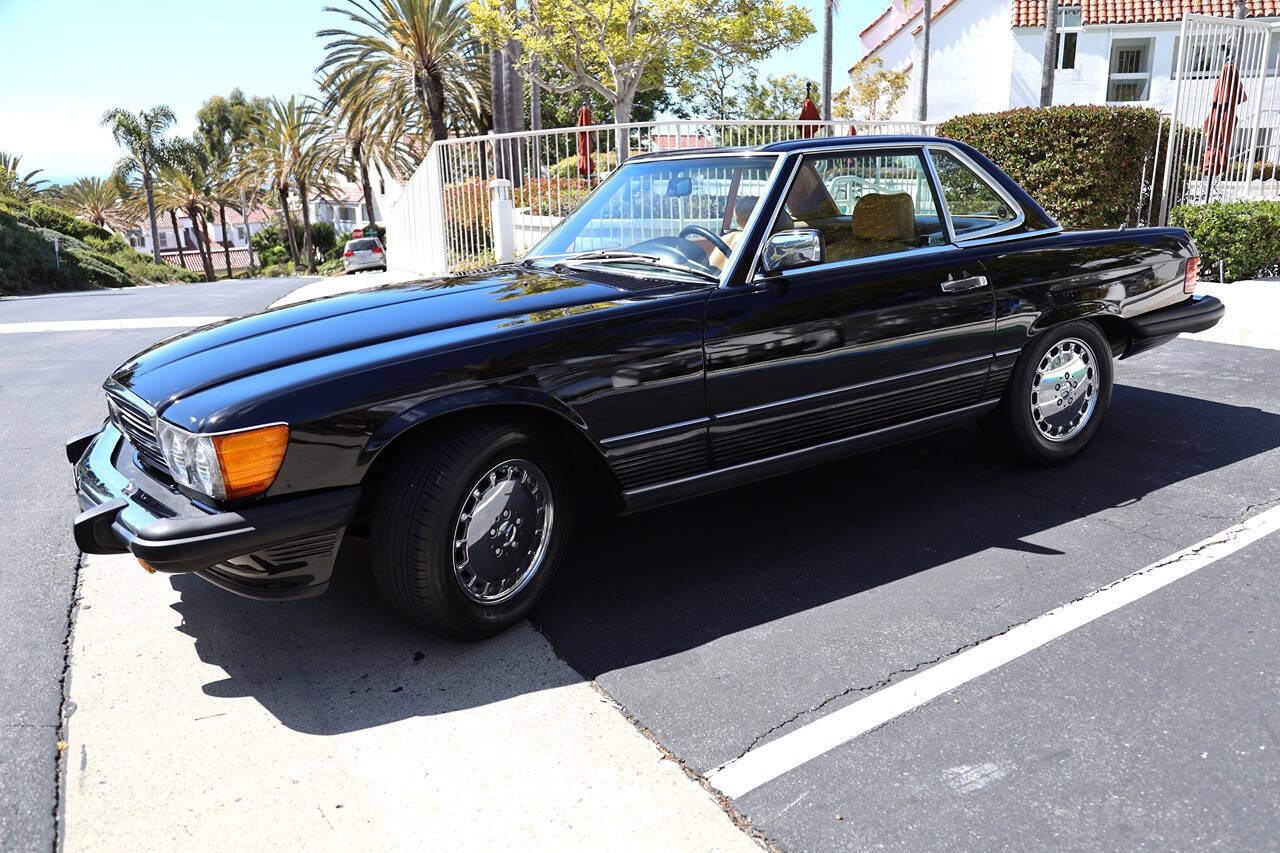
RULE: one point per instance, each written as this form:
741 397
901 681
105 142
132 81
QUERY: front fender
470 399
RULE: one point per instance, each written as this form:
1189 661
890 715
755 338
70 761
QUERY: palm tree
289 151
922 105
14 183
89 198
1050 63
186 183
142 135
368 137
412 52
829 8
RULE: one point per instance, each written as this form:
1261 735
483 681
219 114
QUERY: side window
974 206
865 204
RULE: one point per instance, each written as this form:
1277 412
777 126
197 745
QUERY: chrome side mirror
786 250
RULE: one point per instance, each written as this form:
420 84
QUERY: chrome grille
135 420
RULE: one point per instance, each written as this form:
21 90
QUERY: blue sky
66 62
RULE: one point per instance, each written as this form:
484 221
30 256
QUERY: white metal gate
1224 133
443 220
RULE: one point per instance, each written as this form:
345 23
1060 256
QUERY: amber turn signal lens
147 566
251 458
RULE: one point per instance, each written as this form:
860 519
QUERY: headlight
226 465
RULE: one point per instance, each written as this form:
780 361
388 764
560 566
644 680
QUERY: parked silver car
363 253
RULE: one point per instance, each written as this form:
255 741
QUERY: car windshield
683 215
357 245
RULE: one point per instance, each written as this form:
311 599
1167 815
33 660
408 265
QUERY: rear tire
469 528
1056 398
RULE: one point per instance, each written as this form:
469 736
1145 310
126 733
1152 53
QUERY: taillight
377 250
348 254
1189 279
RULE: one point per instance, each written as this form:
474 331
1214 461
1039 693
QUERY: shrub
323 238
601 161
466 206
29 262
551 196
47 216
1083 164
1243 235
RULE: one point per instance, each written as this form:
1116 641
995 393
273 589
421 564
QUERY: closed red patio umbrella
808 112
584 142
1220 123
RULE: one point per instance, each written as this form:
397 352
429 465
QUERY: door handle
964 285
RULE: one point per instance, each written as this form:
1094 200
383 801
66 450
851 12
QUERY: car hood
356 329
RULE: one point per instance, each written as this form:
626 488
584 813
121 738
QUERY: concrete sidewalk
1253 313
204 721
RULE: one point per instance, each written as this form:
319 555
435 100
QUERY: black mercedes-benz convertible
703 319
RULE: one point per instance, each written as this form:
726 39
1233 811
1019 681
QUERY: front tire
1057 396
470 527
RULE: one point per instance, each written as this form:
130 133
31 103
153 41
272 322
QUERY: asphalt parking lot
717 626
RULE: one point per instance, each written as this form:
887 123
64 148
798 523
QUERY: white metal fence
1224 131
443 220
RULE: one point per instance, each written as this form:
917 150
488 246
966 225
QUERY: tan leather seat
885 217
731 239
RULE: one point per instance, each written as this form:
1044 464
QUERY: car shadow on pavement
650 585
654 584
344 662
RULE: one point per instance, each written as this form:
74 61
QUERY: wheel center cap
508 531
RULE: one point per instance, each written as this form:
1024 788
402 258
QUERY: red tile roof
1030 13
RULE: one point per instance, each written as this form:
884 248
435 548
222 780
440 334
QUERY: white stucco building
986 54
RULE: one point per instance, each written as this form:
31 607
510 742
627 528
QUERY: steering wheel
704 233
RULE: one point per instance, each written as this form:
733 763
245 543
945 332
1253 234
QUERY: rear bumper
1194 314
353 264
284 549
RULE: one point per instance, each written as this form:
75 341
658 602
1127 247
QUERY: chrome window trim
985 177
778 159
817 395
754 278
1005 238
857 262
773 215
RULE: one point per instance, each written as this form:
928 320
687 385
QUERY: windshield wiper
623 256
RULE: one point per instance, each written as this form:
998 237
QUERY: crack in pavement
65 706
1220 539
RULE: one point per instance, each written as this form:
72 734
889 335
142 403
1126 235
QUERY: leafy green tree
414 53
618 50
873 93
17 185
93 199
714 90
776 98
142 136
223 127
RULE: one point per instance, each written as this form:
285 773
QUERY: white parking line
772 759
100 325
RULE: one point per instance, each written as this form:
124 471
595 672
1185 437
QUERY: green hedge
28 261
1083 164
48 216
1243 235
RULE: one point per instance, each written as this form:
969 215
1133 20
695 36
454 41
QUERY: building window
1130 77
1068 33
164 239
